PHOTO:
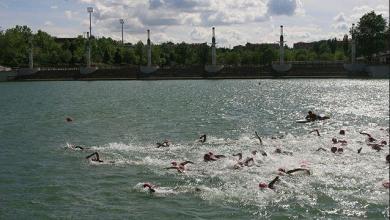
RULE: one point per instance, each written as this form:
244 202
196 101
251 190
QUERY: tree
345 45
118 56
370 34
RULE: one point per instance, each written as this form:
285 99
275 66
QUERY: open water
42 178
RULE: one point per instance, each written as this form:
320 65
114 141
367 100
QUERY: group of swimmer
240 163
249 161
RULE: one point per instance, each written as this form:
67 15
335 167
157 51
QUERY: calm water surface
41 178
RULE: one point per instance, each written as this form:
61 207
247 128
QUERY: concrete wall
378 71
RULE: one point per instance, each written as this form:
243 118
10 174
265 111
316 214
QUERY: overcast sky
236 21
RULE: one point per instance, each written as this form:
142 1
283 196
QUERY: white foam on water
349 181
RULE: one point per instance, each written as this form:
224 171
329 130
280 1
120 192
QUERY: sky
236 21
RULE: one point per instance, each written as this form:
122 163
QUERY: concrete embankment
197 72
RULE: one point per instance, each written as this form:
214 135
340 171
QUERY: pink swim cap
147 185
263 185
386 184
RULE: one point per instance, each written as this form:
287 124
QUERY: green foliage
15 44
370 34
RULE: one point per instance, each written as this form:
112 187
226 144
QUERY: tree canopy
15 44
370 34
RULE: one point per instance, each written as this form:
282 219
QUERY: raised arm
316 130
272 183
258 137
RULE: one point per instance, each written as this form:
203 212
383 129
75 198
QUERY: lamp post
122 22
90 10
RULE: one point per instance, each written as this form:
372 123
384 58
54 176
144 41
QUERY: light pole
122 22
90 10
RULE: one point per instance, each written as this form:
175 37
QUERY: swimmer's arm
186 162
272 183
316 130
364 133
359 150
298 169
89 156
249 160
239 155
220 156
258 137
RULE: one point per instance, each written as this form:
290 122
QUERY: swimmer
342 132
336 149
202 139
96 158
179 167
279 151
240 163
311 116
342 142
69 119
166 143
377 147
150 187
317 131
269 185
290 172
75 147
212 157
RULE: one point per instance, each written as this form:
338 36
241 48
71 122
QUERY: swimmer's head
174 163
333 149
371 139
388 158
263 185
210 153
386 184
334 140
310 112
69 119
342 132
147 185
278 150
281 170
254 152
384 142
340 150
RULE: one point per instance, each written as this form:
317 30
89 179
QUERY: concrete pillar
213 50
149 50
281 46
353 45
89 51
